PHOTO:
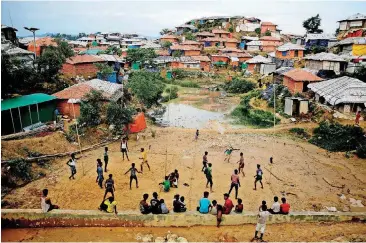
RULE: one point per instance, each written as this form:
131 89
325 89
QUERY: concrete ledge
29 218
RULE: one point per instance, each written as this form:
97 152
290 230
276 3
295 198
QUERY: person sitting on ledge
144 206
204 204
163 207
109 205
46 204
239 207
178 205
276 207
284 207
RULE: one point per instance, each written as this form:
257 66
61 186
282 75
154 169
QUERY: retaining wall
14 218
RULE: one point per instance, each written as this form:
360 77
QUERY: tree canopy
141 55
118 115
147 87
91 108
312 25
164 31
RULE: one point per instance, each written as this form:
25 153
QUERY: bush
361 150
239 86
172 93
21 169
300 132
336 137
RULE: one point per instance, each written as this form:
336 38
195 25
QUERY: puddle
182 115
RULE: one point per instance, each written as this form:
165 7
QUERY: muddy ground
308 176
320 232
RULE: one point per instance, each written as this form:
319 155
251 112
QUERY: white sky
149 17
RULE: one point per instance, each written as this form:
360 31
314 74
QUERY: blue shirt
204 204
100 171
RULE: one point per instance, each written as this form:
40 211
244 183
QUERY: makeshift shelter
297 80
26 112
255 63
139 123
289 51
326 61
346 94
295 106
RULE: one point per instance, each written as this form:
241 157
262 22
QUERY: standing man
144 158
235 182
261 225
208 173
109 186
258 176
241 163
204 161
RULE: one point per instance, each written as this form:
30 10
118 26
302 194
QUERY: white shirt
44 205
263 216
72 162
124 145
276 207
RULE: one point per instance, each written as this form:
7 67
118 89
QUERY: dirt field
281 232
301 172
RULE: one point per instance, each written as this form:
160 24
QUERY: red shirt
285 208
228 206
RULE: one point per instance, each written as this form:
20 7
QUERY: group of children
156 206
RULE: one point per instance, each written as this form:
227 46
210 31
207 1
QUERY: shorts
124 150
204 163
133 177
106 159
144 162
109 190
258 178
73 169
260 227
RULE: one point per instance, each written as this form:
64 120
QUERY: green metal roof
25 101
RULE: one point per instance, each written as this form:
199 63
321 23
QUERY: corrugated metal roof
83 59
341 90
352 40
205 33
184 48
290 46
254 43
356 16
283 70
220 31
201 58
259 59
319 37
169 37
167 59
269 38
25 100
268 24
252 38
324 56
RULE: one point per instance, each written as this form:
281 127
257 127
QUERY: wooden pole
77 134
20 120
12 120
30 115
37 112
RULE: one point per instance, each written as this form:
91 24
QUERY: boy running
258 177
241 164
228 153
133 175
109 186
144 158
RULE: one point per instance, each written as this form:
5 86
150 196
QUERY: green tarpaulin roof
25 101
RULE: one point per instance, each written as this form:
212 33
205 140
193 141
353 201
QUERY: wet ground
320 232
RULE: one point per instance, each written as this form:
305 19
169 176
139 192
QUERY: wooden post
12 120
77 134
30 115
20 120
37 112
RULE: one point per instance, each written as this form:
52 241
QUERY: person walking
235 183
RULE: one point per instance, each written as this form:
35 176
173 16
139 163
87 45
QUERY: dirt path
281 232
299 166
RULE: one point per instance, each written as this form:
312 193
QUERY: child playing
166 184
197 134
228 153
214 207
105 158
258 177
241 163
239 207
219 215
144 158
261 225
133 175
100 176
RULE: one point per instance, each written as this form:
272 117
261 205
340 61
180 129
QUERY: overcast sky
149 17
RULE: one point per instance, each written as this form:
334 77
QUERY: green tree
267 33
118 115
49 63
164 31
91 108
166 44
147 87
64 49
239 86
104 70
145 56
231 29
312 25
257 31
190 36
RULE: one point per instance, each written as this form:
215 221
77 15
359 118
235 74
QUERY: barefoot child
166 184
239 208
133 175
72 164
124 149
208 173
204 161
144 158
106 158
228 153
197 134
219 215
241 164
261 225
258 177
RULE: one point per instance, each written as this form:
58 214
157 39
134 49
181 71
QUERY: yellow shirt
110 205
144 156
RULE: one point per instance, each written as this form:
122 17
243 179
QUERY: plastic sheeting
139 123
